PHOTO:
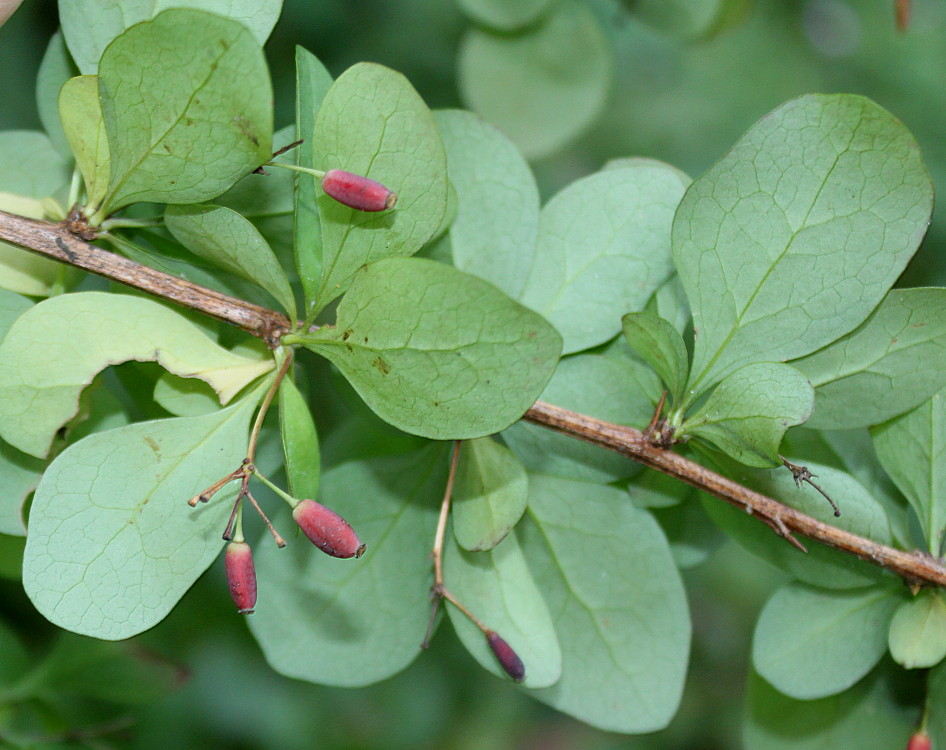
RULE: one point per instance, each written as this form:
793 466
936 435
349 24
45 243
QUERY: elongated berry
327 530
241 575
508 659
919 741
358 192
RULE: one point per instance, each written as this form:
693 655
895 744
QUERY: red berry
241 575
508 659
919 741
358 192
327 530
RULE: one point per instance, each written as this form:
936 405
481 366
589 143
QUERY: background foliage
646 91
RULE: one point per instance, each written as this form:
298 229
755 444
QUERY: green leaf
54 350
653 489
20 270
437 352
373 123
690 19
912 449
122 673
603 249
312 83
544 87
661 346
614 390
355 622
55 69
30 169
504 15
498 588
747 414
892 362
494 233
19 475
185 397
795 236
617 603
30 166
300 441
860 514
12 306
870 716
230 241
917 635
852 451
810 643
936 694
112 544
670 303
692 535
84 128
489 496
188 108
268 196
89 25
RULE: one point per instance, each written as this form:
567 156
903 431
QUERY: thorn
284 149
778 526
649 430
802 474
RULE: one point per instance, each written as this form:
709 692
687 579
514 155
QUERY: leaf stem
441 532
316 173
286 354
438 591
293 501
123 223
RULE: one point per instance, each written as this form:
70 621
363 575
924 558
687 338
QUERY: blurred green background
682 102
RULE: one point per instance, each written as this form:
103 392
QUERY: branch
55 241
916 568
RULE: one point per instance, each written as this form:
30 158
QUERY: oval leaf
912 449
437 352
892 362
917 636
795 236
230 241
493 235
544 87
498 588
489 496
603 249
30 169
747 414
56 68
505 15
89 25
811 643
618 605
300 442
112 544
53 351
188 108
373 123
81 117
661 346
870 716
312 83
